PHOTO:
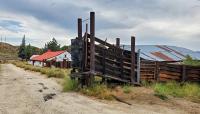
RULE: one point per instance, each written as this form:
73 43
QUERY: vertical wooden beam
92 42
86 45
156 73
122 62
183 73
79 28
118 42
138 66
132 59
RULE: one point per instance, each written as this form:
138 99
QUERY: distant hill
8 51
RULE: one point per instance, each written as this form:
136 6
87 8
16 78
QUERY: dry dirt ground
24 92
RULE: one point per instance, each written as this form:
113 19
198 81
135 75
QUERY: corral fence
92 56
168 71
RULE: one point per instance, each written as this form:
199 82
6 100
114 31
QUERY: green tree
22 49
65 47
52 45
29 51
190 61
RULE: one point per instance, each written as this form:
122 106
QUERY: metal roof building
164 52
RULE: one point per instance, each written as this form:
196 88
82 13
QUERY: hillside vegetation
8 51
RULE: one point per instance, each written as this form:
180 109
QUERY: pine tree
22 49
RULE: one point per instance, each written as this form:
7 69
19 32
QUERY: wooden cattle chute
166 71
93 56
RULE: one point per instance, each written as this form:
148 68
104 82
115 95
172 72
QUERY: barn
60 59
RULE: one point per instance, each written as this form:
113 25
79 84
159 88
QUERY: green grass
127 89
70 85
186 90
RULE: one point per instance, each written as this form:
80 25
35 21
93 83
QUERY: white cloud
36 30
168 22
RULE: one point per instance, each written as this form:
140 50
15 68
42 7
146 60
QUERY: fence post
122 62
104 80
118 42
157 71
92 42
132 59
138 66
79 28
183 73
85 52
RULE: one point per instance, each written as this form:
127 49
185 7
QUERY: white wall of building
66 55
38 63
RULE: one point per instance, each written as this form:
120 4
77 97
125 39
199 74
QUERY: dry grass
100 91
50 72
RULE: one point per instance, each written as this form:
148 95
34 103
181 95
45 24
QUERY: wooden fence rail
162 71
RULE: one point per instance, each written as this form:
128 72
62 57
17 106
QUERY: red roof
47 55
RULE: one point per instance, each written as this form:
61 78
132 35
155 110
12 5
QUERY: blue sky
169 22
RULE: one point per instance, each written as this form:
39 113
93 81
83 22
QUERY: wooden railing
165 71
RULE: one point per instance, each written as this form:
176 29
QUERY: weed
127 89
70 85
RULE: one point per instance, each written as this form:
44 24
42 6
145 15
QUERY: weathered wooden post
132 59
183 73
92 42
118 42
86 46
138 66
156 77
79 28
92 48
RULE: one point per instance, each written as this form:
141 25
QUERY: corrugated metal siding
162 56
164 53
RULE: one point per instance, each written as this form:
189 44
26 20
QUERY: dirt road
24 92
